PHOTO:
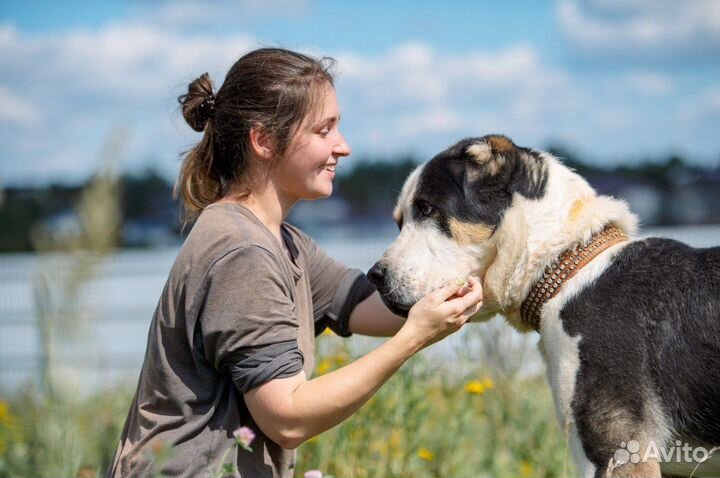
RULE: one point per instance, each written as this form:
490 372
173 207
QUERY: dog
629 327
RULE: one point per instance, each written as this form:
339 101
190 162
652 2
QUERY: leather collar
563 269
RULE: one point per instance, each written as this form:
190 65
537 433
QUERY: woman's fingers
458 305
472 310
445 292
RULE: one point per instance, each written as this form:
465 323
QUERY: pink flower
244 437
313 474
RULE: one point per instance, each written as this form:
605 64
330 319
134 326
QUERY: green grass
432 419
435 419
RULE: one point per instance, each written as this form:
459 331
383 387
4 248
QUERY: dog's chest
561 354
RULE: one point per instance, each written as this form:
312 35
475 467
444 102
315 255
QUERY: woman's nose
342 148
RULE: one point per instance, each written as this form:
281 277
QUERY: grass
434 418
438 419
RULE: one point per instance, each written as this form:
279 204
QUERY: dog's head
450 213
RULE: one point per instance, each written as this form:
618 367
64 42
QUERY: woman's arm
371 317
292 410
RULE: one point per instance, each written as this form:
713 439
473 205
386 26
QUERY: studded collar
563 269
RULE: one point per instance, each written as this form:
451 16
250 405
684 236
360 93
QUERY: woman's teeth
329 168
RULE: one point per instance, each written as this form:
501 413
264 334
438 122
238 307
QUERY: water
107 343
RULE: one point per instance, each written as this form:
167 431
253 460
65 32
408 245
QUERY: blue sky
613 80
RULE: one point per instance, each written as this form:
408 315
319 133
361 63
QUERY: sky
614 81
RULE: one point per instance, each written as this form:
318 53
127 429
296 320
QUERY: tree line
672 191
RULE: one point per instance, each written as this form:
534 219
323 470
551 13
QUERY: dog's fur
631 343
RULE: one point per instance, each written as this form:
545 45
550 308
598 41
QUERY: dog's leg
618 440
648 469
585 468
559 352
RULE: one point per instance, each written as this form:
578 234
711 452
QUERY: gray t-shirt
235 313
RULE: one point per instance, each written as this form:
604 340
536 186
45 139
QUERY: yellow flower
475 387
426 454
378 446
488 384
340 358
4 412
526 469
328 331
395 440
323 367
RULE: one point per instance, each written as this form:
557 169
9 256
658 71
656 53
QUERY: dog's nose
376 274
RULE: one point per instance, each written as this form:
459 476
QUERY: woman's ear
261 143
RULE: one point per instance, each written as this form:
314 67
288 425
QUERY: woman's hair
271 89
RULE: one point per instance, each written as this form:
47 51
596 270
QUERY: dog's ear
497 163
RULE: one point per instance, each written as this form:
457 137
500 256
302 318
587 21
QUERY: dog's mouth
396 308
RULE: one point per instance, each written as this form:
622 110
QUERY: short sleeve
336 290
248 322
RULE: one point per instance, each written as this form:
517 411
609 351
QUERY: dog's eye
424 207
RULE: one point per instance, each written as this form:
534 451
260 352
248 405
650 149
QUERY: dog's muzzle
378 276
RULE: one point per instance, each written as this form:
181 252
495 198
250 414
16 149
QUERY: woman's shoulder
223 228
301 239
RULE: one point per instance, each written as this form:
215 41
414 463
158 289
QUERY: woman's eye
324 132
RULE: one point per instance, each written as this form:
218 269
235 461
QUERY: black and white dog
631 342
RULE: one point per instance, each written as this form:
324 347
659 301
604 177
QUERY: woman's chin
320 193
324 190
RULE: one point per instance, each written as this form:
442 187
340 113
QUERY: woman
232 339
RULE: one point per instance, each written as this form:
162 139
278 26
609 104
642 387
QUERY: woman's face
308 169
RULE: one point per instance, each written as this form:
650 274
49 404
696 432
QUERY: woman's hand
444 311
291 410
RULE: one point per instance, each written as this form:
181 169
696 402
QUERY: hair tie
207 108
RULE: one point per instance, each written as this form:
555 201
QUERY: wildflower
244 437
4 411
395 439
378 446
488 384
323 367
526 469
426 454
475 387
340 359
327 331
313 474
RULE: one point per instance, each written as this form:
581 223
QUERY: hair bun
198 105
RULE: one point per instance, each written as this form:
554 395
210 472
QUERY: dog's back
650 327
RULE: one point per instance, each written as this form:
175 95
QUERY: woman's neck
267 203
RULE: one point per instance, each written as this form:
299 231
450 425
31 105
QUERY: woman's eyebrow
331 119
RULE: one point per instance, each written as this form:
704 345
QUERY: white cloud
415 75
16 109
190 14
63 92
82 82
703 106
418 97
649 83
661 28
431 121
